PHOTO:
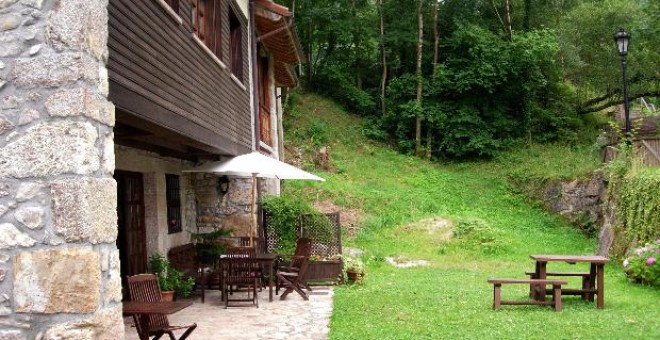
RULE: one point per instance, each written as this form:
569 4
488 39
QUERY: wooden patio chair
240 251
144 288
303 248
241 271
294 280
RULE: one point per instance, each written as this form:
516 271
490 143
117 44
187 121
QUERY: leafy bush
286 214
475 233
336 83
468 135
635 193
642 265
319 133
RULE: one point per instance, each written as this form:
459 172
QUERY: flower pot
167 295
355 277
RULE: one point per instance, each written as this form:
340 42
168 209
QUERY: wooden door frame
122 233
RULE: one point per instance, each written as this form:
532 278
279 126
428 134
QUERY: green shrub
637 206
477 234
286 214
319 133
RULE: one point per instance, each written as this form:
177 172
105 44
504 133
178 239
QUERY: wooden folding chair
303 248
144 288
294 280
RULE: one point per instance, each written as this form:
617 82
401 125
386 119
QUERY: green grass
450 299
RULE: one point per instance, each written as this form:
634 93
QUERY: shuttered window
236 44
173 198
206 16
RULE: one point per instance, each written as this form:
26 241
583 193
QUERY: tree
509 70
420 80
383 81
589 55
436 56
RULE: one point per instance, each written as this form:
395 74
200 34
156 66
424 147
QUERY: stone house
104 103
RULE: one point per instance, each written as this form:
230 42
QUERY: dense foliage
506 70
638 207
291 217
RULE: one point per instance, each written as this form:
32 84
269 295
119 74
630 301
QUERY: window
236 44
174 4
173 197
206 23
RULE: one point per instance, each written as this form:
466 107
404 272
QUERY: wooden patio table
267 259
155 307
596 272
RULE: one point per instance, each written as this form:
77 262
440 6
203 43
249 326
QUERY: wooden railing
647 150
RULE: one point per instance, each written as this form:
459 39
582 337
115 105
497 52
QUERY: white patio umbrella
255 165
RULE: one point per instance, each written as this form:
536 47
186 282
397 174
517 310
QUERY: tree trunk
436 57
310 66
436 36
383 79
508 20
420 43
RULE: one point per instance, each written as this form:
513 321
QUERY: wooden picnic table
595 277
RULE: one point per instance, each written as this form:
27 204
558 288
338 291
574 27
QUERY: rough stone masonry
59 265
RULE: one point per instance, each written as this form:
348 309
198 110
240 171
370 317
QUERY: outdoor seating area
592 282
293 319
243 275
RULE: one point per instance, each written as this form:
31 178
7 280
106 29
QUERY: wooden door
132 237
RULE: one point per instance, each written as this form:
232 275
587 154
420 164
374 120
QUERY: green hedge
637 196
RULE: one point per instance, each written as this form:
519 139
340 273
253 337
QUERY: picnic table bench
586 291
542 283
592 282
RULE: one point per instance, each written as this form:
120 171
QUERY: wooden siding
159 73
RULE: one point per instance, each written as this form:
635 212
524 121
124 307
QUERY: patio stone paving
293 318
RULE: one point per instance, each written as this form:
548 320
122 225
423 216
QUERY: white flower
626 263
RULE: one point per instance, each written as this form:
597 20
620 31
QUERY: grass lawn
450 298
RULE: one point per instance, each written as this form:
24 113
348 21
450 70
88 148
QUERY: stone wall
579 200
59 266
582 202
231 210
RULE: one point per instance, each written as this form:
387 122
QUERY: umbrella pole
253 224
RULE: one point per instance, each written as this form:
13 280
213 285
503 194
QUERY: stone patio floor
293 318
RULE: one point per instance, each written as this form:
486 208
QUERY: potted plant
354 269
170 280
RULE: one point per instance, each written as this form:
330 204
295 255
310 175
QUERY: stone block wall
231 210
59 265
579 200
